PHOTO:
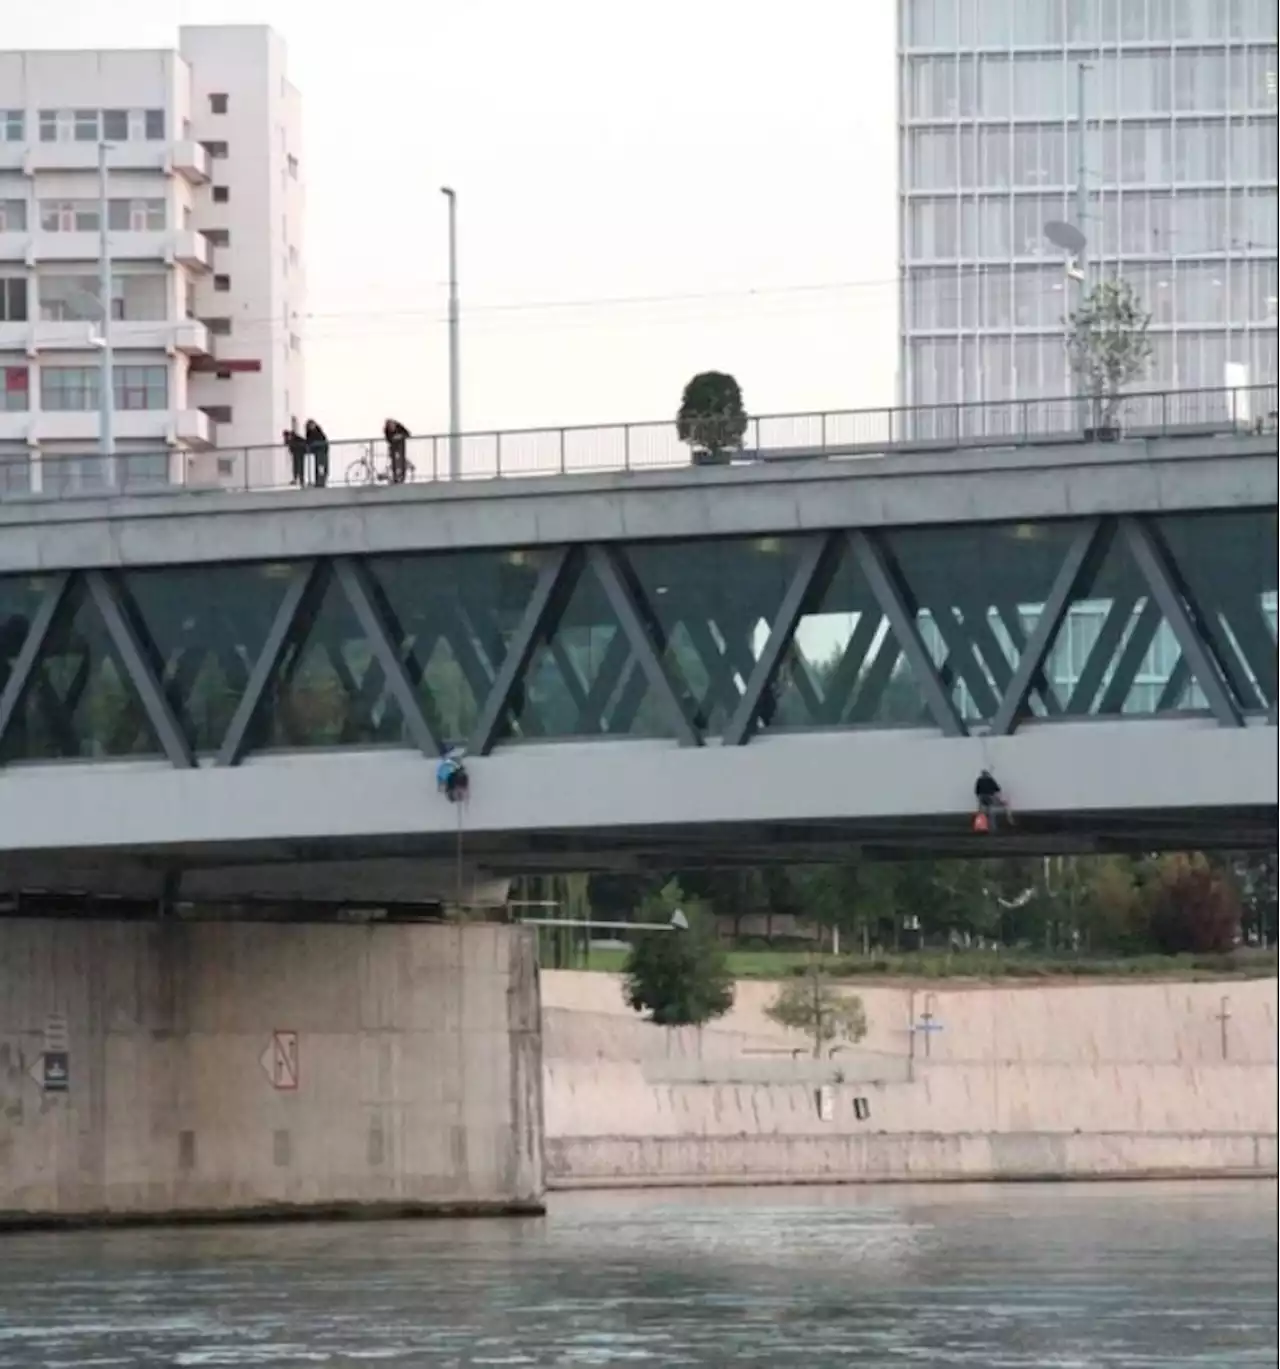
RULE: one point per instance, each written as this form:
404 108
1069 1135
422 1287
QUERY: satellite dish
1065 235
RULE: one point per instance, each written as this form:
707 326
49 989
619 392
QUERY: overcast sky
645 190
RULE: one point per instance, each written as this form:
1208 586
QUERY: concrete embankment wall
1014 1082
239 1068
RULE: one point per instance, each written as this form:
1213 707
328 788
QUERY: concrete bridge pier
170 1070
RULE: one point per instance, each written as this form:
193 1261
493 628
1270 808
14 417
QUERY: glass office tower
1180 154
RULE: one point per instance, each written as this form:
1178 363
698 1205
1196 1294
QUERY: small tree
711 418
680 975
1192 907
813 1005
1108 346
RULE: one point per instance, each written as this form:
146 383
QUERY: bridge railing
531 452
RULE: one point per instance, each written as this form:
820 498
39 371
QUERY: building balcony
192 428
15 247
190 337
130 426
15 427
189 160
45 247
191 249
123 156
15 337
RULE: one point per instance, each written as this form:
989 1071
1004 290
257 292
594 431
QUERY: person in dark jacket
318 446
397 436
991 802
297 445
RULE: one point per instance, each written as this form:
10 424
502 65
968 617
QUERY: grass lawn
985 965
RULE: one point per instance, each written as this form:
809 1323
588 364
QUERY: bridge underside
404 871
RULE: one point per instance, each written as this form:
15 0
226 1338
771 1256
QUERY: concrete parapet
179 1070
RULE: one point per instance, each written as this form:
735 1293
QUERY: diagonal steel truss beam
891 594
38 630
1178 609
624 600
814 567
1082 555
301 582
544 603
364 598
108 595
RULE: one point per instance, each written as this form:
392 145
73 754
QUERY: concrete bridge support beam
153 1071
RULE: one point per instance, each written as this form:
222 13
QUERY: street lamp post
106 385
455 378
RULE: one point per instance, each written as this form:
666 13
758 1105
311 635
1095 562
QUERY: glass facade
585 651
1181 170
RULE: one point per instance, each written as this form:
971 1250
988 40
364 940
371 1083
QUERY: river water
1075 1277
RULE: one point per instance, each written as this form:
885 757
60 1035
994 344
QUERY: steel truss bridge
704 665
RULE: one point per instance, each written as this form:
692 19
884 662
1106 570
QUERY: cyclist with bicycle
397 436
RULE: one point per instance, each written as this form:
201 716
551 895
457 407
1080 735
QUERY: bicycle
366 470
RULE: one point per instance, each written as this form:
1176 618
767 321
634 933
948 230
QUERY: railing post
562 466
823 439
626 446
1164 412
1234 420
497 454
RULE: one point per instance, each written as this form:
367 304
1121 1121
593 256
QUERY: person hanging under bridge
452 779
992 806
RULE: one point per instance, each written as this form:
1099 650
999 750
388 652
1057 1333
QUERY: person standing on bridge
318 446
397 436
297 445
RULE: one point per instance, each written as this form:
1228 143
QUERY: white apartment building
204 224
1181 180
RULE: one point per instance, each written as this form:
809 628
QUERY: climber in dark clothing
318 446
297 445
990 799
397 436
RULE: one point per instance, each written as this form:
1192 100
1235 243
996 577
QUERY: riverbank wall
1149 1080
171 1071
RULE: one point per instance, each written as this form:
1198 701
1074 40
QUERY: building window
68 389
69 216
136 216
218 413
218 103
13 125
216 150
13 216
218 237
221 194
142 387
15 389
13 299
222 284
85 126
226 465
115 125
153 125
219 327
49 125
